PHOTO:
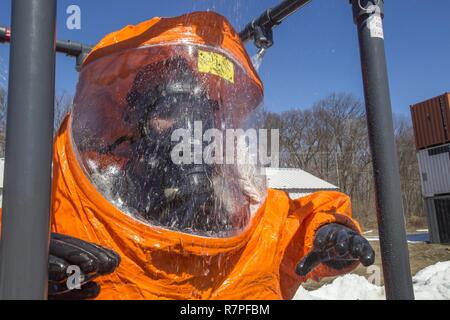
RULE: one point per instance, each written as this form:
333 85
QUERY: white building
296 182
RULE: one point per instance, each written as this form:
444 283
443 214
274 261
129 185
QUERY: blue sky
315 51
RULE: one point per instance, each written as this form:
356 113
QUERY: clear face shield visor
161 140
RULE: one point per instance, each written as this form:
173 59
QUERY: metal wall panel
431 121
438 210
434 164
446 111
433 226
442 206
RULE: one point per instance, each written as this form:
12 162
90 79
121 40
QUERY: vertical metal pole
368 16
26 210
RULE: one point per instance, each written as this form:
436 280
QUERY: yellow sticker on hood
217 64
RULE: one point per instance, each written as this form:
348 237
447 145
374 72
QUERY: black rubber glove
93 261
336 246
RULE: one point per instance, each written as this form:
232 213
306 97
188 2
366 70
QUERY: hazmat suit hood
155 108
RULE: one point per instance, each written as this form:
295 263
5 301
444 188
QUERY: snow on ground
432 283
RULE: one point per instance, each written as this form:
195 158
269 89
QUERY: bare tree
330 140
409 168
63 105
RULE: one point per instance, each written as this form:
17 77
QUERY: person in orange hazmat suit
153 201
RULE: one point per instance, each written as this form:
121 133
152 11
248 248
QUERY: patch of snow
432 283
348 287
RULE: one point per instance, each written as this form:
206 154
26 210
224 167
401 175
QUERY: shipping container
434 165
431 121
438 210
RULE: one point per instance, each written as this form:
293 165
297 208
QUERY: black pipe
70 48
27 181
272 17
391 222
74 49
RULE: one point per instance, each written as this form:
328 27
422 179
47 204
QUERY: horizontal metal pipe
272 17
70 48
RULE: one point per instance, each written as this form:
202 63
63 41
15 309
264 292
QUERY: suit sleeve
306 216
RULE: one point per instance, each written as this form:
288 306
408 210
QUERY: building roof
295 179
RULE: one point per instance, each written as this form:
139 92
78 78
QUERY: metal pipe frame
272 17
26 205
368 16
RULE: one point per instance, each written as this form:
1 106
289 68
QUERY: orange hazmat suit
158 263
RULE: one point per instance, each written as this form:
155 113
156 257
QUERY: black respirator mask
165 190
